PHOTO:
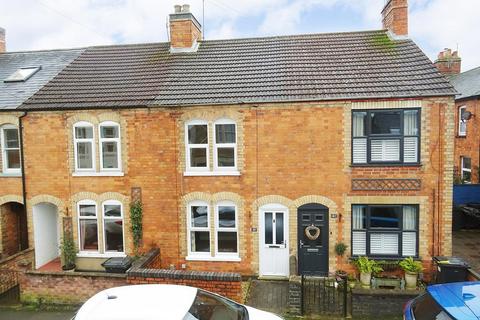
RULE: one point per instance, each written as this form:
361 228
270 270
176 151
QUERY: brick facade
291 154
468 145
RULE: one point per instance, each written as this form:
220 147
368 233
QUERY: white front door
46 235
274 259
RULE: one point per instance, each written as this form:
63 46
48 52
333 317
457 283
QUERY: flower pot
365 279
351 284
69 268
411 280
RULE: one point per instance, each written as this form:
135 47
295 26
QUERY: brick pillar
395 17
295 296
185 30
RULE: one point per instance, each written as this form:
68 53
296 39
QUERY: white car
165 302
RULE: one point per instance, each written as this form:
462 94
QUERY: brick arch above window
8 119
11 198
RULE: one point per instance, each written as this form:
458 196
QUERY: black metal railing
325 294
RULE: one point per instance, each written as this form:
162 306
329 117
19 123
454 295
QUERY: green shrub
410 265
366 265
340 249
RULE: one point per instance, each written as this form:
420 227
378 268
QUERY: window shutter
409 244
384 243
360 150
410 149
359 243
385 150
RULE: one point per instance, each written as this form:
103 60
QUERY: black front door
312 239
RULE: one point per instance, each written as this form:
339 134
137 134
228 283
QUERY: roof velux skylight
22 74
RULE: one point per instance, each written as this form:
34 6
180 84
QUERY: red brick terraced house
467 111
254 155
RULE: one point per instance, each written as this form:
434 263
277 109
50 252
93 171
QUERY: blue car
449 301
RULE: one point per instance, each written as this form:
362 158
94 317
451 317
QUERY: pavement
465 245
25 314
269 296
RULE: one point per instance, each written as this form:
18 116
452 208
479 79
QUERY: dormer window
22 74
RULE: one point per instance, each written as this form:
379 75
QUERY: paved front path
269 296
22 314
466 244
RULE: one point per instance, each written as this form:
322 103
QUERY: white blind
360 150
384 243
410 148
409 244
359 243
385 150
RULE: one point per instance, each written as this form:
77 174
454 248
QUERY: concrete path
269 296
22 314
465 245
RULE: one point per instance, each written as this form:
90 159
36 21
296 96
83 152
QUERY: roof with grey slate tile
467 83
51 62
330 66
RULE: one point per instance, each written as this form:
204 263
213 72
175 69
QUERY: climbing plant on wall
136 213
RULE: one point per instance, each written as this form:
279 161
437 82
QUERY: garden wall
380 303
19 261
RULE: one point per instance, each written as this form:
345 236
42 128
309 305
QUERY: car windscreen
208 306
426 308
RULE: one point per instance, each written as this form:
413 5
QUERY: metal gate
326 295
9 288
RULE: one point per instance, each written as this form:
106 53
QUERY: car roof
140 302
459 299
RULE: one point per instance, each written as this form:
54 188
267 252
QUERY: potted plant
340 249
69 253
352 280
411 268
366 268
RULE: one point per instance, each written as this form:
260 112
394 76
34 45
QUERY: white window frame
91 140
191 229
217 145
462 133
463 169
105 218
5 149
219 229
197 146
116 140
87 202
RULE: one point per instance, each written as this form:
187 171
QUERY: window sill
98 174
382 165
10 175
210 173
101 255
210 258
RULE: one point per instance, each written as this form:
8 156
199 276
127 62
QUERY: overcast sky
49 24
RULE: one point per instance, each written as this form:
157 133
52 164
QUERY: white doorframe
46 233
274 257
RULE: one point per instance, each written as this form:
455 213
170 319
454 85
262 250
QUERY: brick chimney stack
448 62
185 30
395 17
3 46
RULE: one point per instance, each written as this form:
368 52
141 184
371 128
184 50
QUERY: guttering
22 161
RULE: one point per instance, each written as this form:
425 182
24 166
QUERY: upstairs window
84 146
110 146
197 146
386 136
385 230
462 123
466 169
225 145
10 144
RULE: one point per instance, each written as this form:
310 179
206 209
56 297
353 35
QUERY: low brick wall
69 288
380 302
20 261
223 283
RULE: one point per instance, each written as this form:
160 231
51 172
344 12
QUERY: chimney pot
2 40
178 8
186 8
448 63
185 30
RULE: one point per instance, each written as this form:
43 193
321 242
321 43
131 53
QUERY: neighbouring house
467 112
21 75
255 156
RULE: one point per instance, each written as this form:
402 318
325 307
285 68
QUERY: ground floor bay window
385 230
